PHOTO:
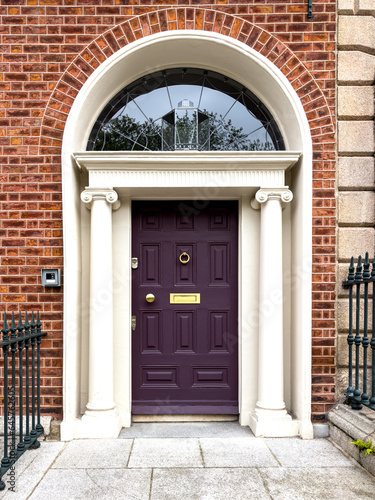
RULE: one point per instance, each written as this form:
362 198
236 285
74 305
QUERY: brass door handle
150 297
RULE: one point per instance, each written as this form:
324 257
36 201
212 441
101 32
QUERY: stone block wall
355 169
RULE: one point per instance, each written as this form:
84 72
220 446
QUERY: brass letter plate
185 298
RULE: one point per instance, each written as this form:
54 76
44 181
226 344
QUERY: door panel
151 264
185 355
151 332
219 263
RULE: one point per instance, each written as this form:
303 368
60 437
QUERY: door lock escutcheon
134 322
134 262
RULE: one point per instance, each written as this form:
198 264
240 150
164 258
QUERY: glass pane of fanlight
135 118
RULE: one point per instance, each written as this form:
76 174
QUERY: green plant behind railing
365 447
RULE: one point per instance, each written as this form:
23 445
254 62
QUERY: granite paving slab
208 484
94 453
30 469
165 452
185 430
236 452
315 483
94 484
296 452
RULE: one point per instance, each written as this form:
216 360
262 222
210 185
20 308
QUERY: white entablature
186 169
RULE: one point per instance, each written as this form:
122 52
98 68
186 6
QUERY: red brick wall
49 48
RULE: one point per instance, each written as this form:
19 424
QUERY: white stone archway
243 64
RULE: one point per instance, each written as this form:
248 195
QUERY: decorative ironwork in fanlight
185 109
185 128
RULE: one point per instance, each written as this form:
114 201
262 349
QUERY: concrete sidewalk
200 461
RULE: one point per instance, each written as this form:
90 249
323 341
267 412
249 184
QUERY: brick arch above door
308 89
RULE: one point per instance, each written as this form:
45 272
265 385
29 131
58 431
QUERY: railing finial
351 270
5 322
358 271
366 268
12 326
26 320
20 325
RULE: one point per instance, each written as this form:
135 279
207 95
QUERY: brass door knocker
184 258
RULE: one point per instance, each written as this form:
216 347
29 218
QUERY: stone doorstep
350 425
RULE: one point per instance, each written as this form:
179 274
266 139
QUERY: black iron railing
25 338
359 280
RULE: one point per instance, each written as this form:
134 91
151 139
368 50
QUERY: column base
99 424
273 423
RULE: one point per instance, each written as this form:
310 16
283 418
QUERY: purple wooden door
185 354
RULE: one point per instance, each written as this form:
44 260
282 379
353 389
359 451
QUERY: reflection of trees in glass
225 136
126 134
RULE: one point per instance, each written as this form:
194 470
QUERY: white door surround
203 176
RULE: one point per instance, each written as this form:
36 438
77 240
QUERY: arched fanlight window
185 109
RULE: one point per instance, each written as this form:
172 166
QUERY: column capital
282 194
89 195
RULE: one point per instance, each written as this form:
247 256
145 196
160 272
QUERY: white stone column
270 417
101 418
